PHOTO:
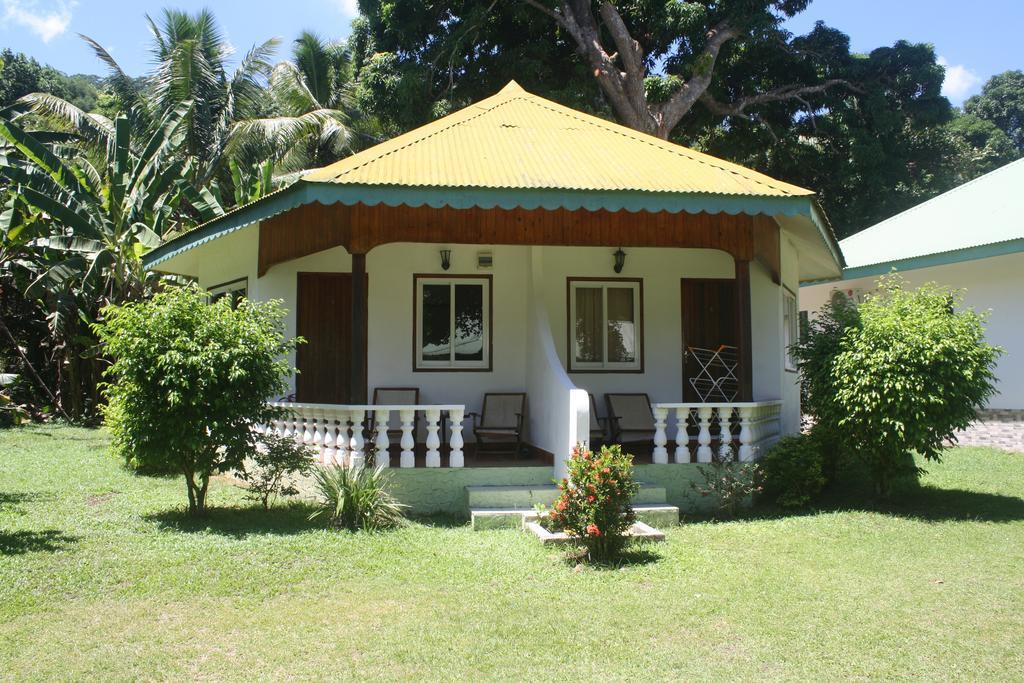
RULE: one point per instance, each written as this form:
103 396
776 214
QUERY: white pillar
455 458
408 458
433 441
725 434
342 442
682 436
660 455
704 435
308 426
382 458
356 457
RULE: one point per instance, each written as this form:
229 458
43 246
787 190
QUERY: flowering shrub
594 504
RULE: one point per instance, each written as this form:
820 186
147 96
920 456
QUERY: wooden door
324 319
709 314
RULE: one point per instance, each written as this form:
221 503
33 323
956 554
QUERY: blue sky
974 41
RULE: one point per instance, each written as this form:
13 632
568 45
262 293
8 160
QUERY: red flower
607 470
560 505
591 499
593 530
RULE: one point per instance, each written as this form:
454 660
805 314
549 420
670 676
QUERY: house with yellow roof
485 292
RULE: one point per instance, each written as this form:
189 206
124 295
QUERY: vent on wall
484 260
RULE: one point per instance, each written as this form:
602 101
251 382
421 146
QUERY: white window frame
790 328
241 285
637 364
451 364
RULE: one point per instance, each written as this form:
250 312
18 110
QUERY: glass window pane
621 325
469 322
588 325
436 320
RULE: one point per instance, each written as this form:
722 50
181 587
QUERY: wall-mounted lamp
620 260
446 259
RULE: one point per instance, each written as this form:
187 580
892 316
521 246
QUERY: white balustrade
337 433
759 422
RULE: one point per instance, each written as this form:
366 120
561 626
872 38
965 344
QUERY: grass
102 577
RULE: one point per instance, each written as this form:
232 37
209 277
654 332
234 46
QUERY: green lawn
101 578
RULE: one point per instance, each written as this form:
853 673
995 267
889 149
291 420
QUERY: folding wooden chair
631 419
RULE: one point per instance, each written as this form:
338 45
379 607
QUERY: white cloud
960 81
350 8
46 23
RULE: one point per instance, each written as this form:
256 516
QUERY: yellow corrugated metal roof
518 140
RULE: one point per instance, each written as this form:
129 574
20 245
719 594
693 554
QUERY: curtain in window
436 322
469 322
621 325
588 325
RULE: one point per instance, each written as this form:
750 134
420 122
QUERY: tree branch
786 92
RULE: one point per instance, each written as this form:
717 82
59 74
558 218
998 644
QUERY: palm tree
312 125
190 55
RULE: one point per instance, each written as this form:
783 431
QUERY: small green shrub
793 475
357 498
729 482
900 373
272 467
190 380
595 504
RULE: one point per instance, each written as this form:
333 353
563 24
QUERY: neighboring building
519 246
969 238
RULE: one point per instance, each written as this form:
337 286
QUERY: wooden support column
743 328
358 365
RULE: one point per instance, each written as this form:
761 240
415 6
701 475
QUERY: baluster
342 442
725 435
328 453
298 425
408 458
286 425
319 420
433 442
682 436
356 457
660 454
704 435
308 426
382 458
455 457
746 453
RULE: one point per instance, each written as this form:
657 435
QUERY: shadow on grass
21 542
240 522
636 555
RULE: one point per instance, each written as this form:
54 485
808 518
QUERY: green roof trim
303 192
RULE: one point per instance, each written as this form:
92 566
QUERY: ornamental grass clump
356 498
595 501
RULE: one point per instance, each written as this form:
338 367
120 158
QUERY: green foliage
730 483
271 468
1001 102
793 471
189 381
595 503
21 75
356 498
900 373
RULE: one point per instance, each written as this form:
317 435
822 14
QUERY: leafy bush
189 381
901 372
792 469
729 482
357 498
270 470
595 500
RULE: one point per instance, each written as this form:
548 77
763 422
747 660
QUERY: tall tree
313 110
1002 103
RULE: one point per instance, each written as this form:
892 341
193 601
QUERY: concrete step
527 497
655 515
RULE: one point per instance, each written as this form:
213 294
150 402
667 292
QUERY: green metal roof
982 218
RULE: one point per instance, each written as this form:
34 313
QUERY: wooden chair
598 426
500 421
395 396
631 419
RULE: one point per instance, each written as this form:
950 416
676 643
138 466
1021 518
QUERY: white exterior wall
995 284
391 267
